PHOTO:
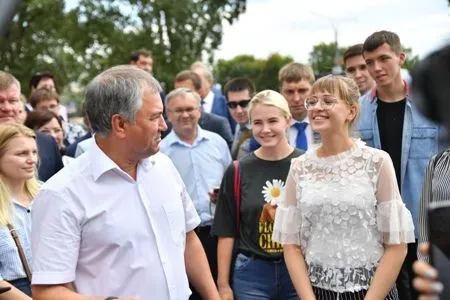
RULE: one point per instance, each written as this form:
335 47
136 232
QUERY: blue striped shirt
11 267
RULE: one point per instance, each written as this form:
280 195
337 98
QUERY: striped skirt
322 294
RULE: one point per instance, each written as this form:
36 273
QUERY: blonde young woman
343 225
259 271
18 187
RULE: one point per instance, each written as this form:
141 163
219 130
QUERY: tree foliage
77 43
264 72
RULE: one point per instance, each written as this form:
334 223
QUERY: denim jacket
420 142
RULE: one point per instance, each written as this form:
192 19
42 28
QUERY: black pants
209 244
322 294
405 288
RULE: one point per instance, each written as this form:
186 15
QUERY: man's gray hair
118 90
182 92
205 70
6 80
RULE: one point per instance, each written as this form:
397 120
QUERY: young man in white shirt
118 222
295 84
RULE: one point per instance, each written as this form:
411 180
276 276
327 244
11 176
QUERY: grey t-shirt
261 181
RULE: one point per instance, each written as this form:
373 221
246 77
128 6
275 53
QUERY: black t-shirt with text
261 181
390 116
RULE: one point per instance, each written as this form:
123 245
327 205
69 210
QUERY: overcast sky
292 27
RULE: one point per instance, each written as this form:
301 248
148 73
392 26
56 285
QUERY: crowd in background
313 191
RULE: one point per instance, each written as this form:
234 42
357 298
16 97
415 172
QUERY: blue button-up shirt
201 166
420 142
11 267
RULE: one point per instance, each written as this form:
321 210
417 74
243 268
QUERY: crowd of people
310 192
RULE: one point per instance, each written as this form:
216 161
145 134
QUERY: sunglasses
241 103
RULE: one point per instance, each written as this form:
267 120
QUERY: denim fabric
257 279
23 285
421 141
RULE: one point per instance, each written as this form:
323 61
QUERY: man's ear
402 58
118 126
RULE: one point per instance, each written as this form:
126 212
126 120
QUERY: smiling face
18 162
269 126
183 112
54 129
10 104
237 104
384 64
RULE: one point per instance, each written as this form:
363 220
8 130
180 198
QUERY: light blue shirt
201 166
420 142
11 267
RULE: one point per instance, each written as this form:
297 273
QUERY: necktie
301 142
243 134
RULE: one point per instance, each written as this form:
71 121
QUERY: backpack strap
237 194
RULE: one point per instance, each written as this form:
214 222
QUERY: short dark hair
38 76
239 84
141 52
352 51
42 94
190 75
38 118
378 38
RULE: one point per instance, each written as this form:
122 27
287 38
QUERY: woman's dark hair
38 118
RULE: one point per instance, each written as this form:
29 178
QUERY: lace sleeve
288 218
393 218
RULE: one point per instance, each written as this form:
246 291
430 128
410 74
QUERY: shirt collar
305 120
374 92
209 97
172 138
101 163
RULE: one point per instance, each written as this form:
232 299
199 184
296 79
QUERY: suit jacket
220 108
50 161
70 150
211 122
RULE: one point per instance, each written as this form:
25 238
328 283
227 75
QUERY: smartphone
439 233
216 190
4 289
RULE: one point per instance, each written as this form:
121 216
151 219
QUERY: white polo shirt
111 235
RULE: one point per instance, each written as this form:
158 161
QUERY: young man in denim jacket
390 121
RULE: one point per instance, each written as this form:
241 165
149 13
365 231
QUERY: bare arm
387 271
224 255
197 267
13 294
295 262
65 291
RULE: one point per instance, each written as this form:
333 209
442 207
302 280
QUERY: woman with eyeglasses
343 225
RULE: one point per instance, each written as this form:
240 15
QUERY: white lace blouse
341 209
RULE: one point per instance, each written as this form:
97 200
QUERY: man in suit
212 102
50 161
212 122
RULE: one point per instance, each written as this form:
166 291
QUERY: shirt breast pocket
175 219
423 143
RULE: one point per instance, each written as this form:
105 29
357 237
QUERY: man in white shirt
118 221
295 84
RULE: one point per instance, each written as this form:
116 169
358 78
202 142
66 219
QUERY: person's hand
225 293
213 196
426 282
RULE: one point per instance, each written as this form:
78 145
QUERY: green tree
264 72
411 60
323 57
78 43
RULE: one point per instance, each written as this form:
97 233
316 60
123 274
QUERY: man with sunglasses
238 92
295 84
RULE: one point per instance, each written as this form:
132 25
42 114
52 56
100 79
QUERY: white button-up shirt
111 235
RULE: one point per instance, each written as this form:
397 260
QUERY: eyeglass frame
242 103
188 110
322 103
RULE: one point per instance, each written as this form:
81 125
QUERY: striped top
11 267
436 188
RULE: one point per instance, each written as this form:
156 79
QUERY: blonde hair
270 98
7 133
343 87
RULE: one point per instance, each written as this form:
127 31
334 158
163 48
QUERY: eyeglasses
325 102
180 111
241 103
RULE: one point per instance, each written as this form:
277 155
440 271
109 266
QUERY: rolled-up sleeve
56 235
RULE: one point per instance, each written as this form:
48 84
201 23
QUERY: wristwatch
111 298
